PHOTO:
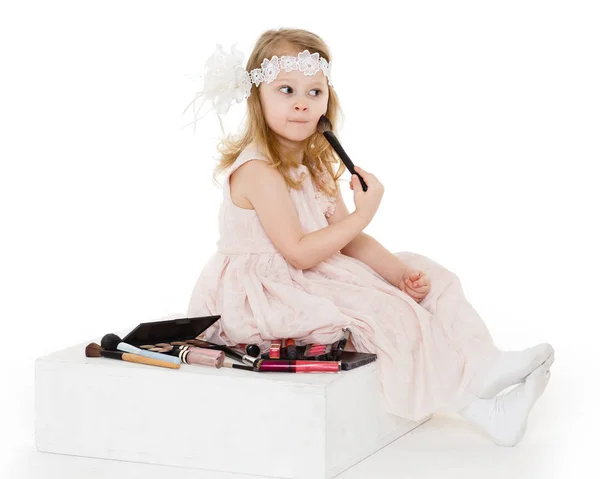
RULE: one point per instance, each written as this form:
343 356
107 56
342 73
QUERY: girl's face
292 105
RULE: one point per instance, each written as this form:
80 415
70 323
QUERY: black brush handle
230 353
333 141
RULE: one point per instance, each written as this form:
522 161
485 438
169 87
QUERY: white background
480 118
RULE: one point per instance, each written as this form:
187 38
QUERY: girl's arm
367 249
266 190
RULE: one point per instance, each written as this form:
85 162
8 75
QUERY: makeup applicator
114 342
94 350
324 126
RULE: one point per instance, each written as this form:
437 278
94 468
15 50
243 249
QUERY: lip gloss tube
297 366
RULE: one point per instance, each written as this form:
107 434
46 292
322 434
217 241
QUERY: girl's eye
315 89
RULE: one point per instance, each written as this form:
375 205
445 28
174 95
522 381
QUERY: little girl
293 262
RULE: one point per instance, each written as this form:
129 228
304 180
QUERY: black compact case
170 330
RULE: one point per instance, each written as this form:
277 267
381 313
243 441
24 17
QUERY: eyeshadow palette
180 329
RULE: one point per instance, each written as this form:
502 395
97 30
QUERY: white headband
226 79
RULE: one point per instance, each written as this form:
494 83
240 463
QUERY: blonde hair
319 157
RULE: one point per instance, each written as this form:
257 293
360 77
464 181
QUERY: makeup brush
324 126
94 350
114 342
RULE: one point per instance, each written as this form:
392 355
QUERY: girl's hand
366 202
414 283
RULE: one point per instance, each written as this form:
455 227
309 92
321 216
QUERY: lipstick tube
297 366
290 349
275 349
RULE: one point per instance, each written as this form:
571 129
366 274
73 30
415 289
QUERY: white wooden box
271 424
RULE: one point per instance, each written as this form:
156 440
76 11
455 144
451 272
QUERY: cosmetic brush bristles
324 124
93 350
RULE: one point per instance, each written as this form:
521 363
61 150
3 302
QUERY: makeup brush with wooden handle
324 126
112 342
94 350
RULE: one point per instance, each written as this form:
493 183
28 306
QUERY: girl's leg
487 369
504 417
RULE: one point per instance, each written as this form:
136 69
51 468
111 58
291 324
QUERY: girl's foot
504 417
508 368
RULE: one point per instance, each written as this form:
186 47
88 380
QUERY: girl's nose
301 107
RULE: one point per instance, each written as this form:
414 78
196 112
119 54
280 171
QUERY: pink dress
428 353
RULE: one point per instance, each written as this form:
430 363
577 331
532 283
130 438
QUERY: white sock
508 368
504 417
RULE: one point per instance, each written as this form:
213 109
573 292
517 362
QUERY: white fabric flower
270 68
326 67
225 79
288 63
307 63
257 76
